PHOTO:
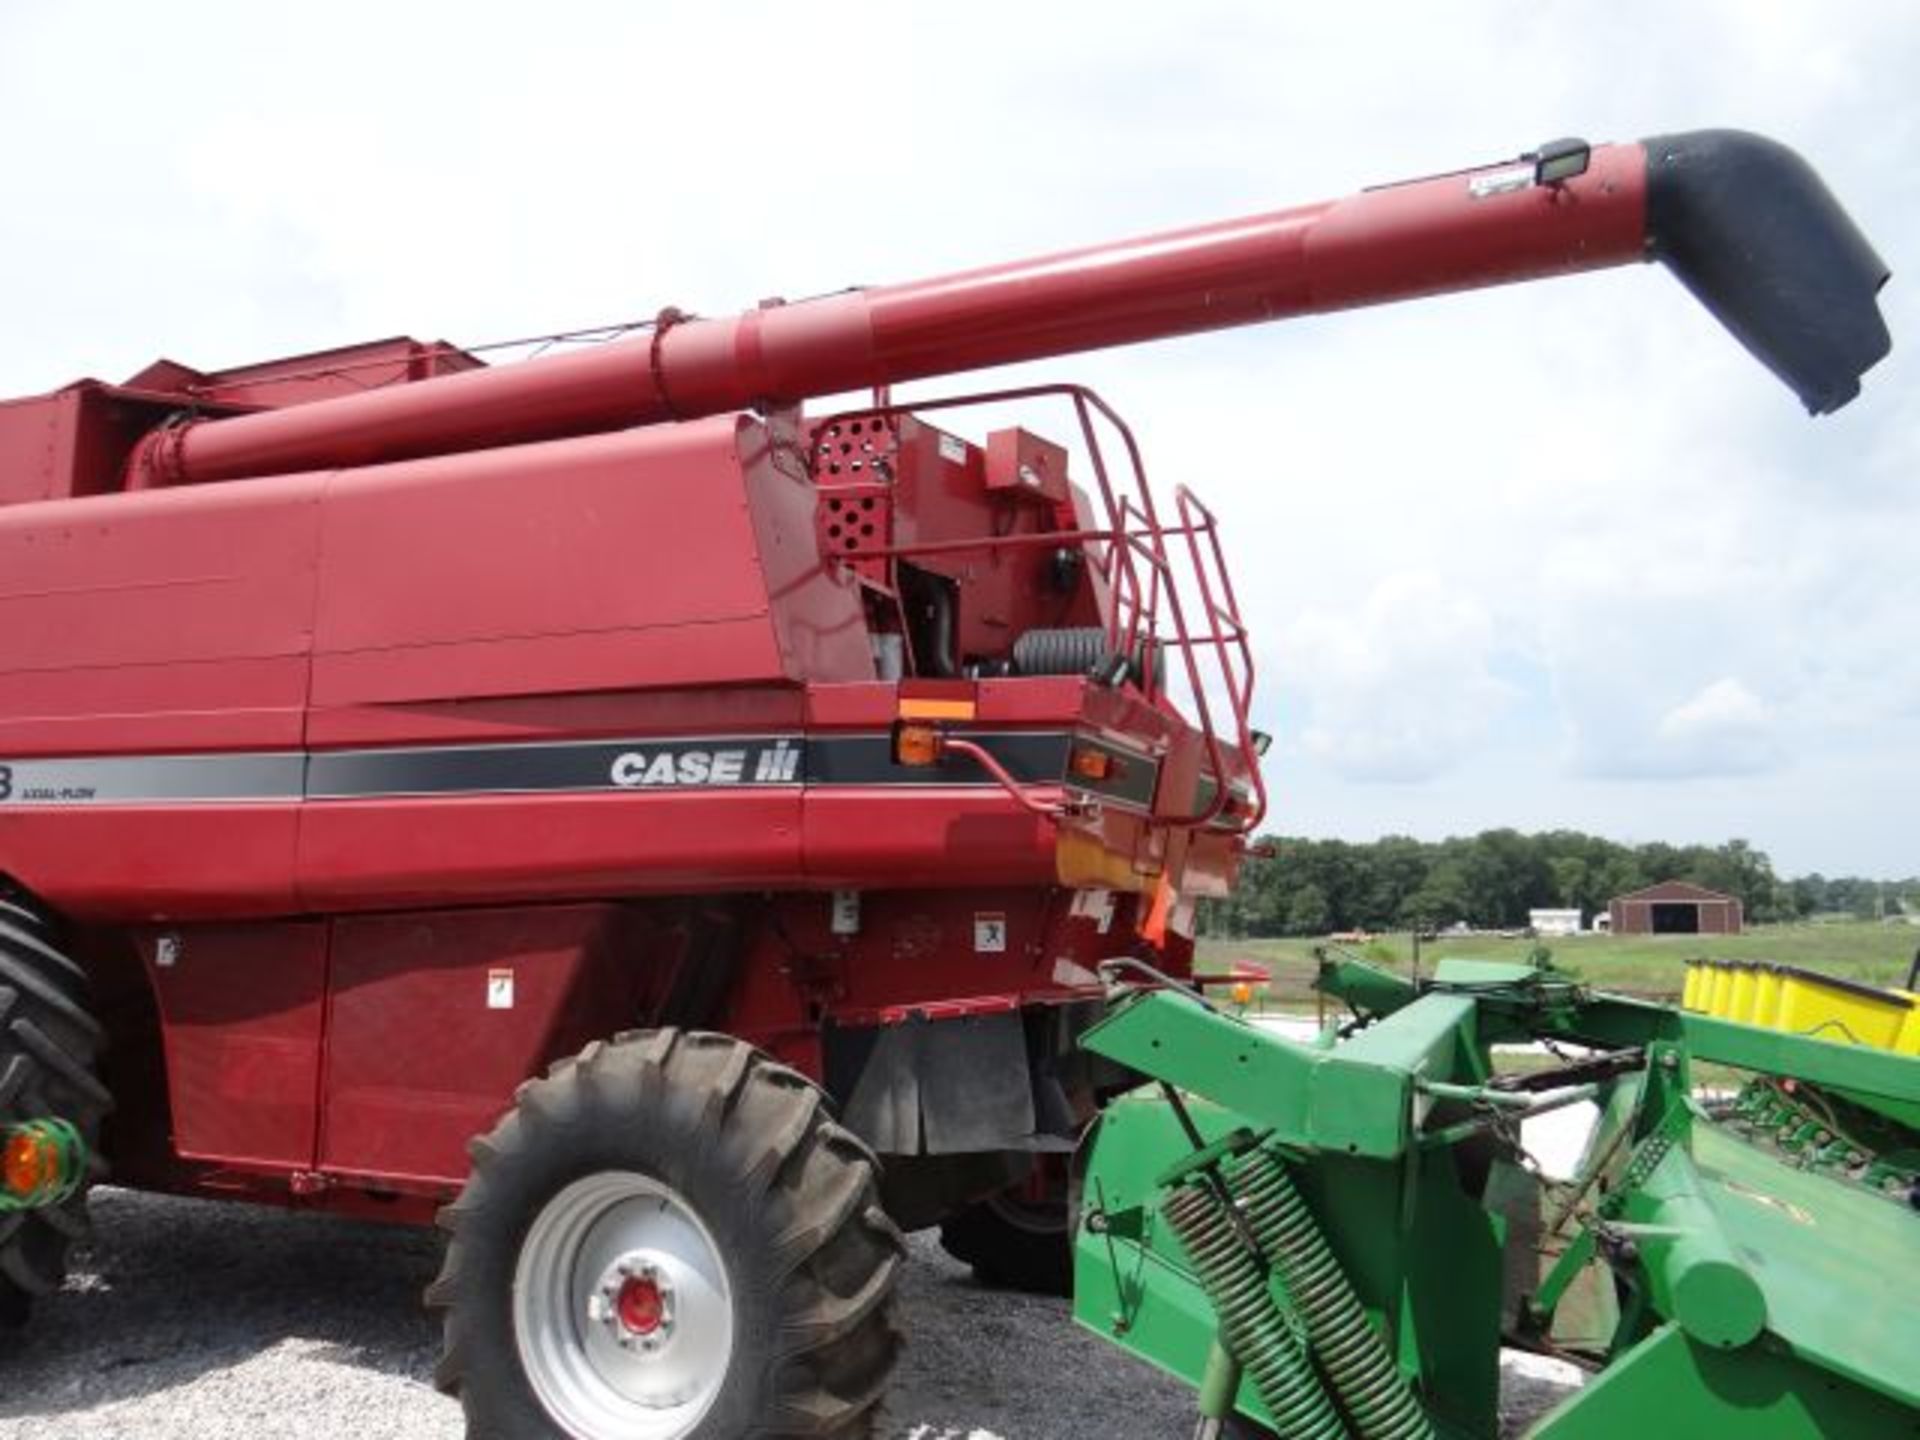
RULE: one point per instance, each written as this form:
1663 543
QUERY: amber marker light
29 1165
1090 764
916 745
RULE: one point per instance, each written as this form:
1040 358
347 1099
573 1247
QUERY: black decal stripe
730 761
691 762
1033 759
1130 783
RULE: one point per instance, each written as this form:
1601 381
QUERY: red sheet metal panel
876 836
398 851
36 441
241 1009
147 862
433 1020
185 580
708 710
75 440
173 623
607 563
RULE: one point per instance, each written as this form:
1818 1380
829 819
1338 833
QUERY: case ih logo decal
692 763
658 767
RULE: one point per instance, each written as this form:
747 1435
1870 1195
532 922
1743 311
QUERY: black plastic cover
1755 234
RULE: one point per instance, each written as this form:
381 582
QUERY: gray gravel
201 1321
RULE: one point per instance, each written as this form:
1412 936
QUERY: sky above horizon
1550 556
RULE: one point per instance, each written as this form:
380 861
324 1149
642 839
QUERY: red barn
1673 907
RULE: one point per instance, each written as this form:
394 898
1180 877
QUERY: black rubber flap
1758 238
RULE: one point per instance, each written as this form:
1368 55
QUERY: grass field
1636 965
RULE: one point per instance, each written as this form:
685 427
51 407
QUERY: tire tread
836 1253
49 1043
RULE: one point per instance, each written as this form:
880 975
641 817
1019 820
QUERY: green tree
1311 886
1308 913
1569 880
1442 899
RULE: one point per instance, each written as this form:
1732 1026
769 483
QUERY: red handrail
1135 539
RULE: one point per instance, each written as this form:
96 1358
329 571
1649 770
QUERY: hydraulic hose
1352 1355
1257 1334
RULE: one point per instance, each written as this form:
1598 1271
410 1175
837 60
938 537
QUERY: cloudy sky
1552 555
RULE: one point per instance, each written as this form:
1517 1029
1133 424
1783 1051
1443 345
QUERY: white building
1554 922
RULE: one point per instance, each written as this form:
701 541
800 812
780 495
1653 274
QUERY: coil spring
1272 1355
1369 1385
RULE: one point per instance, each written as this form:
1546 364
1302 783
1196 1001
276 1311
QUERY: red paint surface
418 1060
242 1009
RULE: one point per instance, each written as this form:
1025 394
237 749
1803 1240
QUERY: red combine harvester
596 804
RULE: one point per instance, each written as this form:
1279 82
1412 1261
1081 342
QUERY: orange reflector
920 707
1242 994
1090 764
1154 928
916 745
29 1165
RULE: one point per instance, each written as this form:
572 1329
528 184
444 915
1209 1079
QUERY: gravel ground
197 1321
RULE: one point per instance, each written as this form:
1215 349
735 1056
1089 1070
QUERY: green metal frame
1739 1286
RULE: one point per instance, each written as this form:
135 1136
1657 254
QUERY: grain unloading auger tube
1742 221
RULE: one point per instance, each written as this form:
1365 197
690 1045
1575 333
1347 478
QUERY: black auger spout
1751 229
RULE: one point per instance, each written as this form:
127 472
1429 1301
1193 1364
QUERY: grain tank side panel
173 625
606 563
712 710
176 620
664 583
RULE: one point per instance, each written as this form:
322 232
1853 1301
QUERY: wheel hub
633 1301
623 1310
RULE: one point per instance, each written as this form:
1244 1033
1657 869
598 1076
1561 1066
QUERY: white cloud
1399 688
1725 729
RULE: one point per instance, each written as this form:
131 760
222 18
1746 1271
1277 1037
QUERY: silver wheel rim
611 1252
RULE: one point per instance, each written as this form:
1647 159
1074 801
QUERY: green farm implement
1336 1237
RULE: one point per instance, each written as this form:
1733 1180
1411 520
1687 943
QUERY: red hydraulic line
1452 232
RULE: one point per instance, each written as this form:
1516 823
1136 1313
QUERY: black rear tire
790 1200
1016 1241
49 1045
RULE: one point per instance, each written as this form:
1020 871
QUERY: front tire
668 1237
48 1045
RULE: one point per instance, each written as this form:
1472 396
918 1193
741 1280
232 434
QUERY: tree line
1310 887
